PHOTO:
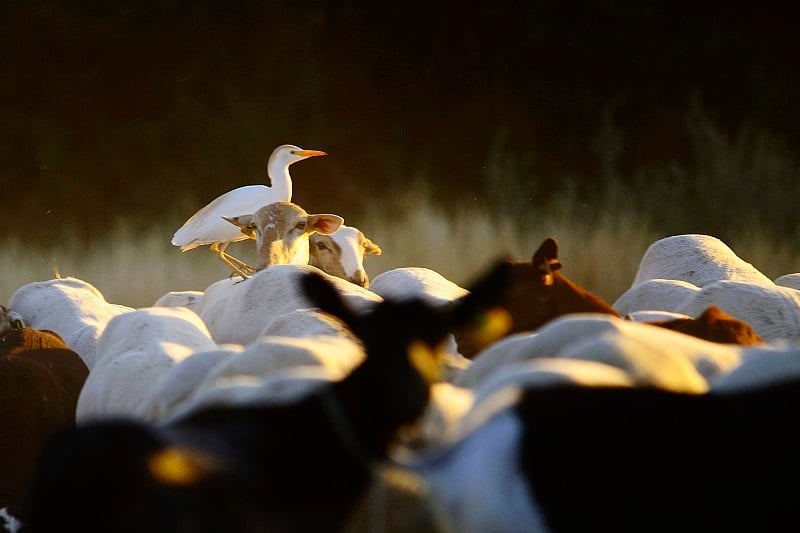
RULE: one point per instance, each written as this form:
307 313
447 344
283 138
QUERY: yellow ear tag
494 324
425 360
174 466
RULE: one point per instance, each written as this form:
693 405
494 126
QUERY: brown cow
715 325
40 379
539 292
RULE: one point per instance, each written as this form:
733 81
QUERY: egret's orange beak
310 153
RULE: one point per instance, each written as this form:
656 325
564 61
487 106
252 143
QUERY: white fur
188 299
655 295
10 522
771 310
524 346
307 322
648 354
654 316
548 371
419 282
327 345
283 385
136 350
697 259
762 366
177 386
348 240
342 253
658 357
408 282
73 308
789 280
237 311
441 419
270 354
478 481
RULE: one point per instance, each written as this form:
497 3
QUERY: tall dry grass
600 252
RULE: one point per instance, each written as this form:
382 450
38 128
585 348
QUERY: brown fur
40 380
714 325
539 292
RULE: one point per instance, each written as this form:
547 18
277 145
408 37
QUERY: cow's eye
301 226
322 246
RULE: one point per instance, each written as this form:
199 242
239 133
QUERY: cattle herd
297 398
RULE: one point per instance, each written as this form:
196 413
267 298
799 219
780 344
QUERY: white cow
178 385
789 280
655 316
547 371
655 295
270 370
264 370
188 299
697 259
312 322
282 231
237 311
269 354
284 385
306 322
341 253
773 311
134 352
407 282
424 283
762 366
648 354
73 308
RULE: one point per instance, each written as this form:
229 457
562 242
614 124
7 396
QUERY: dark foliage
112 108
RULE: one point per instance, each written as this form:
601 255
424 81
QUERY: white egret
208 227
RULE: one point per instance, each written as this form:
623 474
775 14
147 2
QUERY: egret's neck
281 180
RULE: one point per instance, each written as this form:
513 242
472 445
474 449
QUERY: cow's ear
246 224
478 318
371 247
484 294
545 259
325 224
324 295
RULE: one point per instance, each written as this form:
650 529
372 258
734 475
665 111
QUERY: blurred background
604 122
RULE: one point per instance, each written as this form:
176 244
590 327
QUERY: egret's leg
220 249
241 264
225 259
237 265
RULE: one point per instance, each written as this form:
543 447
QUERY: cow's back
40 379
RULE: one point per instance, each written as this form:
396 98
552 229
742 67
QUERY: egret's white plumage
208 227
